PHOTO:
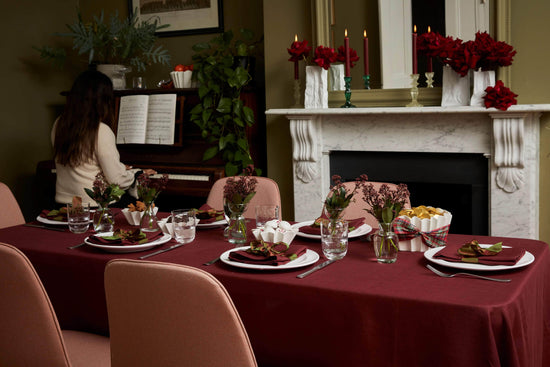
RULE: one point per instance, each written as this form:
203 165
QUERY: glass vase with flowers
104 194
237 193
385 204
334 229
148 191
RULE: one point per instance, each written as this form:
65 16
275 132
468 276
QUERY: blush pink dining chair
30 335
357 206
11 214
163 314
267 193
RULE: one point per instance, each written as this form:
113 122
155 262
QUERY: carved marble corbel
508 132
305 152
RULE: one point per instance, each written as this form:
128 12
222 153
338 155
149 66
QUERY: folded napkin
207 214
55 214
117 240
508 256
281 254
316 229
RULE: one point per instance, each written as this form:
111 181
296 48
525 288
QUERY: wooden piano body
190 178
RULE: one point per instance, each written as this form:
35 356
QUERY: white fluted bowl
134 218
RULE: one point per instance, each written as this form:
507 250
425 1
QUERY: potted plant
120 43
221 114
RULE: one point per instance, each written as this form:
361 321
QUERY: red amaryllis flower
298 50
341 56
460 56
324 56
499 96
492 53
430 43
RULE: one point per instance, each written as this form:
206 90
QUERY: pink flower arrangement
499 96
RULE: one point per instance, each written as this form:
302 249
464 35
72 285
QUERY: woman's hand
149 171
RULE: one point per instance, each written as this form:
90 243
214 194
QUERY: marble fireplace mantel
509 138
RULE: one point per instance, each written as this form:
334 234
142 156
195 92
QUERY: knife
314 269
44 227
161 251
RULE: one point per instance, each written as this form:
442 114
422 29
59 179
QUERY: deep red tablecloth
355 312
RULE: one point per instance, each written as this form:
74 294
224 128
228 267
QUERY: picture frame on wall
184 16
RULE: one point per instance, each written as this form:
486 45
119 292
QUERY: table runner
354 313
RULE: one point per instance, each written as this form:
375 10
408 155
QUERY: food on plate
472 250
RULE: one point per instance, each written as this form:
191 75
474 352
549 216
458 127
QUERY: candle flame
295 38
429 29
415 28
346 33
365 33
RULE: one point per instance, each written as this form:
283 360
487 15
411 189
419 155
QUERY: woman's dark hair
90 101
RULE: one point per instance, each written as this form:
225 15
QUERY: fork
445 275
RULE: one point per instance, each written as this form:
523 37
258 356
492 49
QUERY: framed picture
183 16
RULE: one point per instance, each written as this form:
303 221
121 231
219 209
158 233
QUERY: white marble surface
514 213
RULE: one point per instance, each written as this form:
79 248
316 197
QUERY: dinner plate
310 257
357 232
50 221
215 224
527 259
126 249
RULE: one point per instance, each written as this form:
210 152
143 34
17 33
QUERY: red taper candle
296 66
429 67
346 48
366 52
414 56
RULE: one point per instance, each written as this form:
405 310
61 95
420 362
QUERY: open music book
147 119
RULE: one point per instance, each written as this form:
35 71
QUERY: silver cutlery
44 227
445 275
211 261
315 268
161 251
76 246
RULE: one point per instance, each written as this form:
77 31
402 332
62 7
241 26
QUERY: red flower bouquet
341 55
298 51
491 53
324 56
499 96
459 55
430 43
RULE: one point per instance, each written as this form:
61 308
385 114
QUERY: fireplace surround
509 139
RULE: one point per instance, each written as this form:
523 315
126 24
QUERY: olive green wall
30 98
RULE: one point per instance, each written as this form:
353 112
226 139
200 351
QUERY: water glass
184 223
265 213
334 238
78 217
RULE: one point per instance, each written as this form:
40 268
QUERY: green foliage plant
221 114
111 40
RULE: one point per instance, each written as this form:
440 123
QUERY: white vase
316 95
336 77
456 88
117 74
482 80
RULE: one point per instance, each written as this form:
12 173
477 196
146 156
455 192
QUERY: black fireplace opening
457 182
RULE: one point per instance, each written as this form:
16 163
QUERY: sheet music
132 119
161 119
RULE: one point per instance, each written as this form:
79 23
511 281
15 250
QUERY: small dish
134 218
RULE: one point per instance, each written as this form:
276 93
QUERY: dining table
354 312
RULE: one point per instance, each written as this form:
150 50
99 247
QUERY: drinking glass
265 213
184 223
78 217
334 238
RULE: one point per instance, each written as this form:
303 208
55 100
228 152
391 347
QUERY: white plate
49 221
527 259
215 224
357 232
310 257
125 249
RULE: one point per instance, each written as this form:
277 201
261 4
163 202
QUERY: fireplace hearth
457 182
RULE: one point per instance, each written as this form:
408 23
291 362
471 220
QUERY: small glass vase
149 221
236 229
334 238
386 243
104 220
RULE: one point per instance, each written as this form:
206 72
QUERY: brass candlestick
414 91
430 79
297 93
